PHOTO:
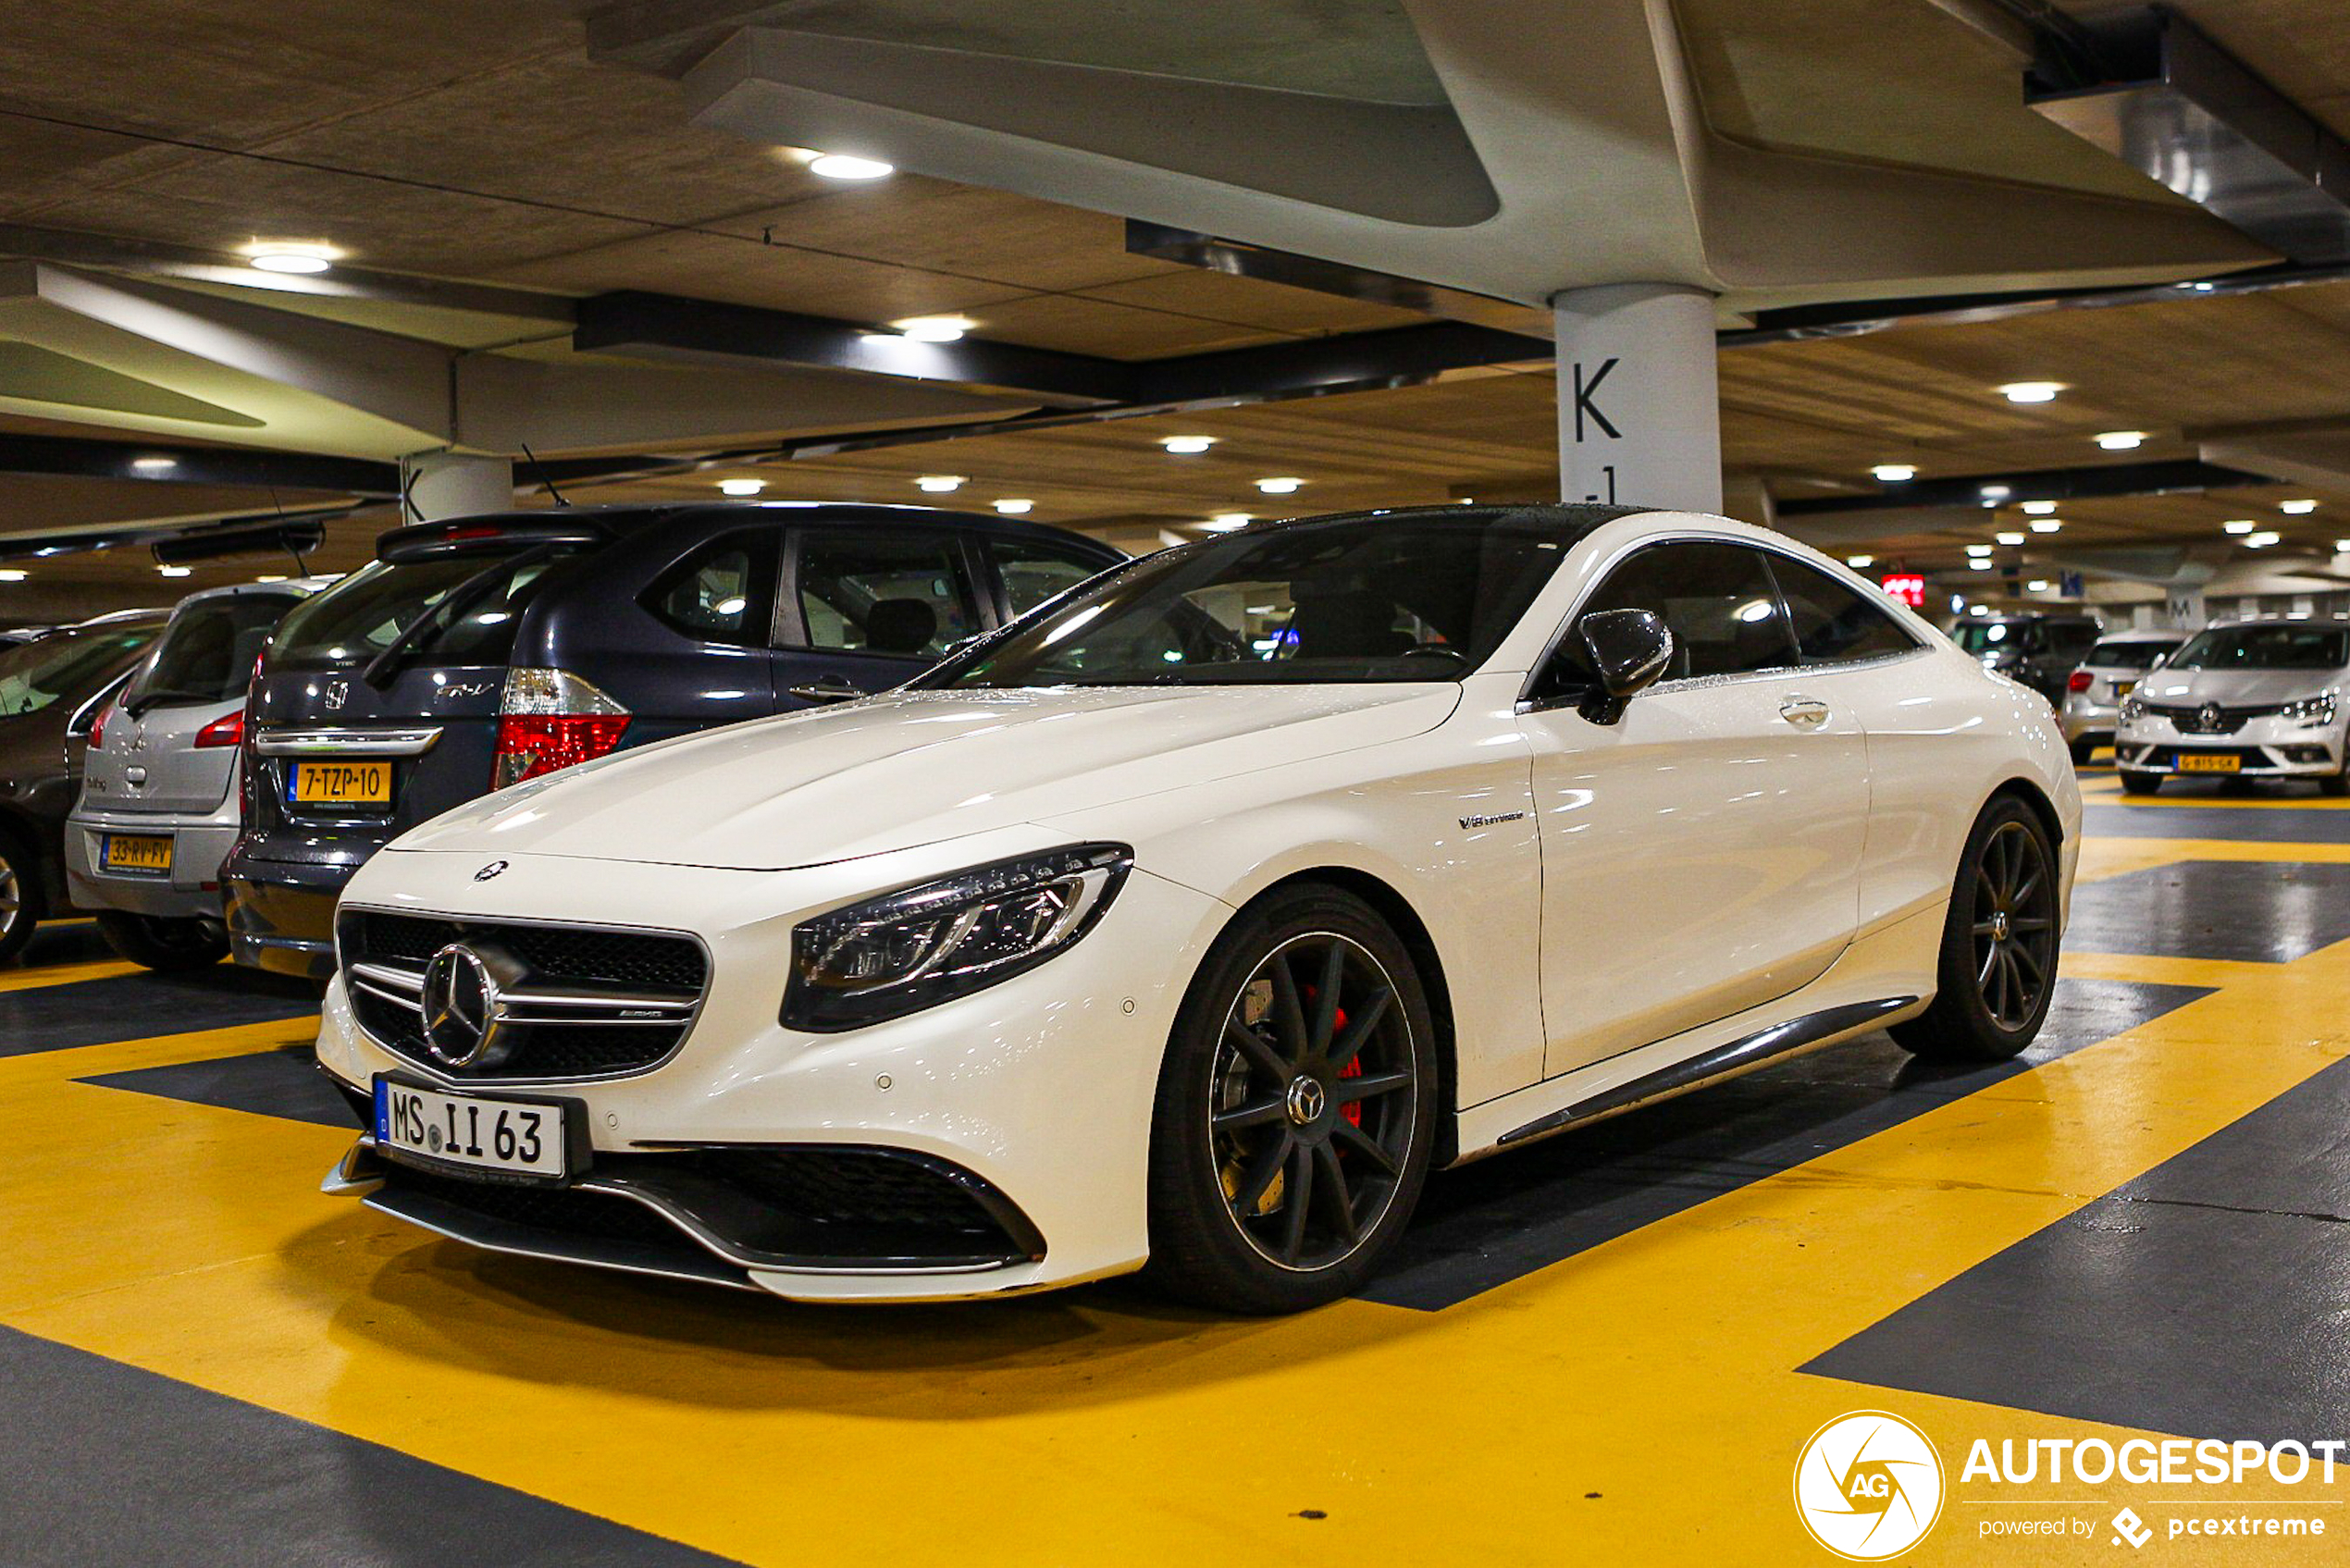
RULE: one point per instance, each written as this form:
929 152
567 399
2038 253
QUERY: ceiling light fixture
2122 440
2238 525
1225 522
1013 508
1187 445
934 329
1279 487
2031 391
2037 586
174 571
1894 473
1994 494
2297 508
2008 538
2342 547
271 577
844 166
11 574
1857 561
1978 550
2039 508
154 464
1981 563
2045 525
939 484
2262 539
741 486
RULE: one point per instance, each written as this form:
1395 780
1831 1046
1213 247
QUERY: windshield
358 618
68 665
2127 655
1368 599
207 653
2266 646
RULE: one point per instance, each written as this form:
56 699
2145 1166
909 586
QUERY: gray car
2252 699
160 803
2093 696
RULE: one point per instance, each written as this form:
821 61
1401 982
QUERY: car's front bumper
1038 1090
200 841
2264 748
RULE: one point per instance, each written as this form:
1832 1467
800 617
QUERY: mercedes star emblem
489 870
460 1006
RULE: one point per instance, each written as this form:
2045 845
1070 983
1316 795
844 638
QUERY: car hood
914 768
2235 688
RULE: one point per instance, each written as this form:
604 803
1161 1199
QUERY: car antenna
540 469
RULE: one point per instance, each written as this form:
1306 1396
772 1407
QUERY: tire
1999 944
1242 1158
2136 781
2083 749
21 902
2337 781
172 946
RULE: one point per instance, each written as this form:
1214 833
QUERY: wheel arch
2038 800
21 830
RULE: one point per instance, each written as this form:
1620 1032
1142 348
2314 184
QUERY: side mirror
1627 650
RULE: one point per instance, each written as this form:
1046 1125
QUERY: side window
1718 600
719 593
901 594
1833 623
1033 572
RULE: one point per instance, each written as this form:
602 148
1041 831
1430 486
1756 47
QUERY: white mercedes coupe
1187 923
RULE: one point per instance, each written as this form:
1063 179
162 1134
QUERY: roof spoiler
463 536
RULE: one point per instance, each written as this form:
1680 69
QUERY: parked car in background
477 653
2092 694
160 805
1195 918
2254 699
2039 650
50 690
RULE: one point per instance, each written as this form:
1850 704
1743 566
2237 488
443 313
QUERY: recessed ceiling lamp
1225 522
2045 525
2008 538
1978 550
741 486
11 574
2239 525
2342 547
1994 494
1013 508
1857 561
844 166
290 255
2297 508
2031 391
2122 440
1187 445
174 571
2262 539
934 329
2037 585
271 577
939 484
1894 473
154 464
2039 508
1279 487
1981 563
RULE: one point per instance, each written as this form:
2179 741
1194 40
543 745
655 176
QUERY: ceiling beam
81 458
259 530
2159 479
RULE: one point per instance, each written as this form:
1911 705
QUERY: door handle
829 691
1804 712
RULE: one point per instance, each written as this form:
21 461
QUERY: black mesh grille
852 1187
562 1209
622 962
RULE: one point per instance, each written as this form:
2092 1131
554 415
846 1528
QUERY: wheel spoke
2030 885
2021 956
1985 928
1260 1174
1254 1047
1289 1016
1242 1117
2036 923
1326 996
1990 962
1358 1031
1337 1200
1365 1145
1295 1200
1369 1084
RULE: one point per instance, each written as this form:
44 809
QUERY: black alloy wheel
20 897
1296 1114
1997 967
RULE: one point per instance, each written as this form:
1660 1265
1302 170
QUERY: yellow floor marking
2102 857
1098 1426
2145 969
64 974
2108 793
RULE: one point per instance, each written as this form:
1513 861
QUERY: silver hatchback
2093 696
160 804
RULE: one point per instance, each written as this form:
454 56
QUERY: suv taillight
227 730
98 725
2079 681
549 720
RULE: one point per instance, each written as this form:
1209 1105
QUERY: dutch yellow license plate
2209 762
141 854
340 784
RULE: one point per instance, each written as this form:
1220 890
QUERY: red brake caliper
1352 1109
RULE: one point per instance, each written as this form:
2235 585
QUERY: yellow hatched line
64 974
2102 857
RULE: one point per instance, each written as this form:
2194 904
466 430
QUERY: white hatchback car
1193 919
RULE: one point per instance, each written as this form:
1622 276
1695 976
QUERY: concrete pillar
448 483
1640 409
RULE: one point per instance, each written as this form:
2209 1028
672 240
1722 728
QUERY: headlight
2133 708
915 948
2315 711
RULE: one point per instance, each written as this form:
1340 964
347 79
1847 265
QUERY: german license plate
508 1135
340 784
135 854
2209 762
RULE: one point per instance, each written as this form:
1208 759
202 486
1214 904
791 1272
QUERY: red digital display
1907 587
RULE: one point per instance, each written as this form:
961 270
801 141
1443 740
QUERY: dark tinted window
2111 655
1836 624
2266 646
68 665
206 655
468 604
1368 598
722 592
1033 572
902 594
1718 600
2071 639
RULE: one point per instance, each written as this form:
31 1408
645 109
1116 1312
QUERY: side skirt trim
1779 1040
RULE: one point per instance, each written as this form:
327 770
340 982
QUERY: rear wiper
379 669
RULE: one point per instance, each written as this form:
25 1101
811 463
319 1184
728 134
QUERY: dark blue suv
479 652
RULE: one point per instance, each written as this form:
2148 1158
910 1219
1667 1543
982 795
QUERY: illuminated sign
1907 587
